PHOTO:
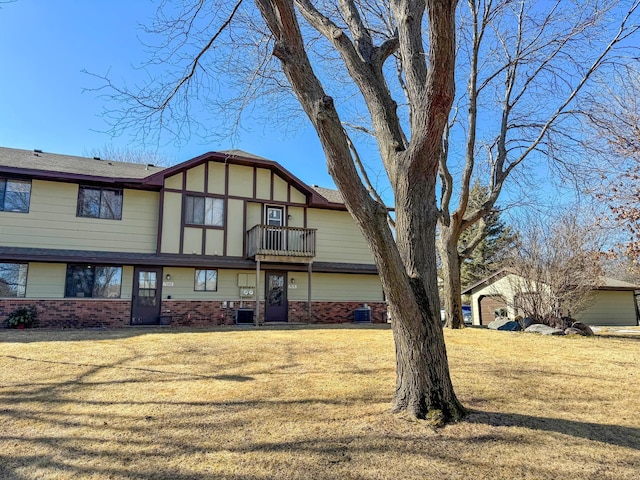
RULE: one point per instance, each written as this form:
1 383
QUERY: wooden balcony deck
283 244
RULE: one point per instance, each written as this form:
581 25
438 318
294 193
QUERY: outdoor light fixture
293 280
168 277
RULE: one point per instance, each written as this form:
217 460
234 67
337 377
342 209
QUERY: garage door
488 306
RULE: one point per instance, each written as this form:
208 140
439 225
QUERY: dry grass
310 404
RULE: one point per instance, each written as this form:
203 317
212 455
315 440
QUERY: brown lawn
310 403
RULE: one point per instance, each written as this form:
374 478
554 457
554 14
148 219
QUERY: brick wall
335 312
197 313
72 313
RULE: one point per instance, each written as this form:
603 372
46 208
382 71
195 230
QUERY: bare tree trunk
452 294
407 267
423 383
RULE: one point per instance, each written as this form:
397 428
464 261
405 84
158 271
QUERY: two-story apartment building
224 237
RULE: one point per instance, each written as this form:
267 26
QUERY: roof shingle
52 162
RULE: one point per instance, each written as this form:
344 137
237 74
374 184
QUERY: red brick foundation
68 313
335 312
198 313
72 313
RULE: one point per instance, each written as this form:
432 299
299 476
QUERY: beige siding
297 285
335 287
297 196
52 222
241 181
195 179
175 182
215 242
183 280
325 286
296 215
609 308
235 232
171 223
127 282
216 183
280 189
46 280
338 238
254 214
192 241
263 185
247 280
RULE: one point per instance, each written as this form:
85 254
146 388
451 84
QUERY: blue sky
44 47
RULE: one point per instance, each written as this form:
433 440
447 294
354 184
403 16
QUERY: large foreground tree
407 263
398 57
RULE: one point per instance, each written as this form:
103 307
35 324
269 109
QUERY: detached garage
613 302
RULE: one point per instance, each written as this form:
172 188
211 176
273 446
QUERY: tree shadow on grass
628 437
87 334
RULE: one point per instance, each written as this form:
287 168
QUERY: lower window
13 279
206 281
93 281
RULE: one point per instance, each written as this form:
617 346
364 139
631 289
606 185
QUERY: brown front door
147 291
276 297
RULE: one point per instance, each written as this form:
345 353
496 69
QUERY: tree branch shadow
628 437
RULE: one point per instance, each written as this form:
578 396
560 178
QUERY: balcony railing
281 241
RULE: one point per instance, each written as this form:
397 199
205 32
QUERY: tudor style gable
231 206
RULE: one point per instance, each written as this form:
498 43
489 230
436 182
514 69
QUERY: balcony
281 244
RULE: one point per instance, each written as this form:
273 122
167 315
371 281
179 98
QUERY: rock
526 322
585 329
505 324
574 331
511 327
544 329
498 322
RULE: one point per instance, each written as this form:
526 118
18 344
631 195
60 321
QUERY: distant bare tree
129 155
525 63
555 267
614 115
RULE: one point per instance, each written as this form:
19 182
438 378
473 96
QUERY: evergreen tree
493 239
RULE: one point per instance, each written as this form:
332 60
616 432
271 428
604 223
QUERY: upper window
15 195
205 211
96 202
93 281
13 279
206 281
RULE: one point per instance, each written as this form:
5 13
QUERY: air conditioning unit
244 316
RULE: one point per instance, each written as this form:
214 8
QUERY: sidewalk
617 331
